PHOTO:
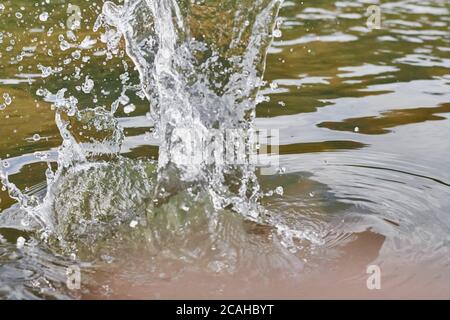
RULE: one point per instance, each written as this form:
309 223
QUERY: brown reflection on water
387 120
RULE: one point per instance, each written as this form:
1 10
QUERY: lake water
362 185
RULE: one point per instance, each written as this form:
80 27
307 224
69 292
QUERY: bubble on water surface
43 16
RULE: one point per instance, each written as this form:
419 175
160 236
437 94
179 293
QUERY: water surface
364 163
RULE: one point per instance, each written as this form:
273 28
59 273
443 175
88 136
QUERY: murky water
95 180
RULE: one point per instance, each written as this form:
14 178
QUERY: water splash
200 66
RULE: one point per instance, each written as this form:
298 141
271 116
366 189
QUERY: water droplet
20 242
277 33
133 224
36 137
46 71
19 15
43 16
279 190
356 129
129 108
76 54
64 45
88 85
